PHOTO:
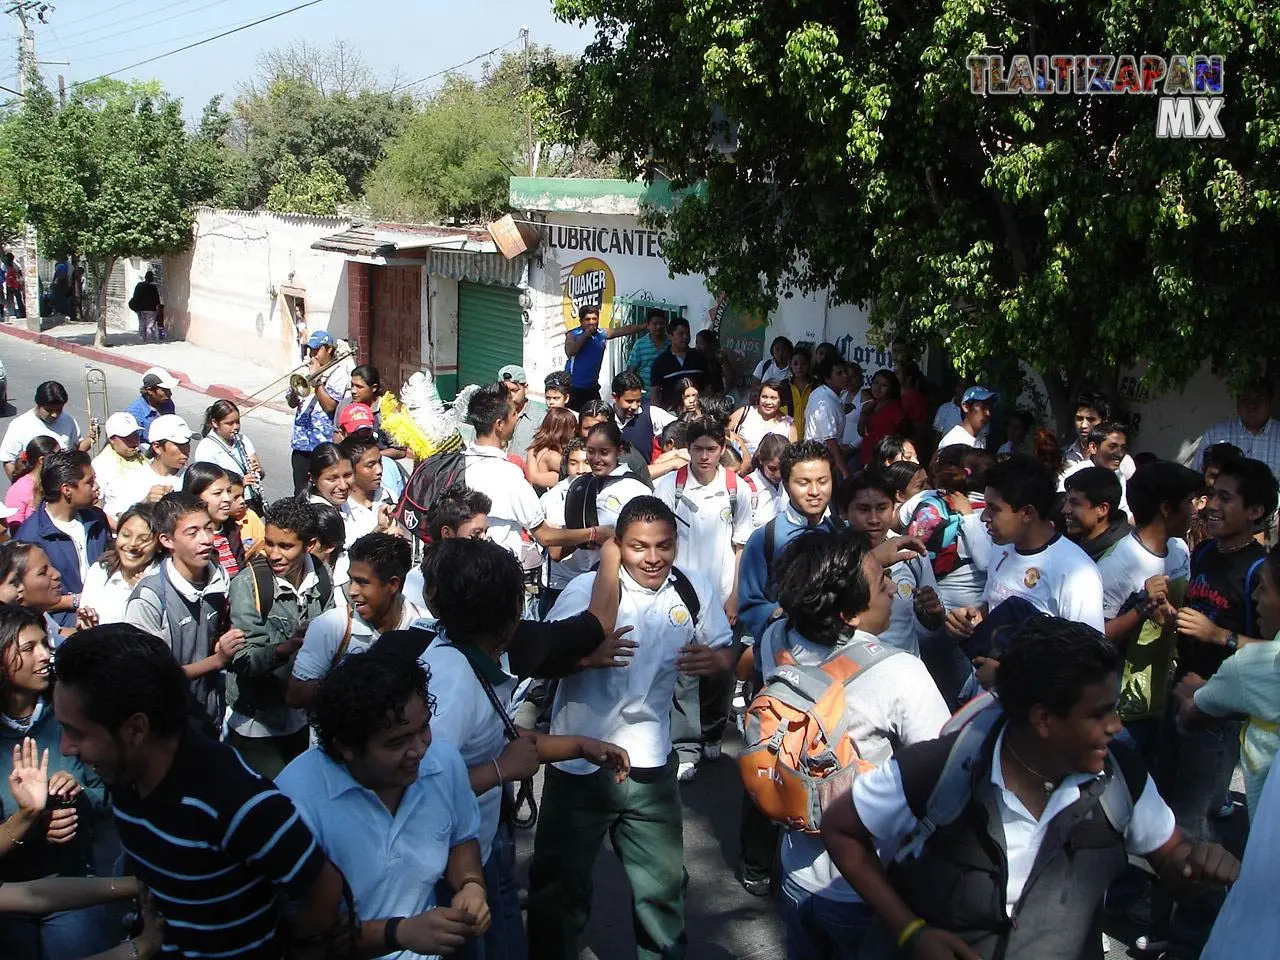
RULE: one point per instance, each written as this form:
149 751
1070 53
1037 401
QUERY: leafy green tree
106 177
840 146
222 174
318 191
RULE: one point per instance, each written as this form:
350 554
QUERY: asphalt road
30 364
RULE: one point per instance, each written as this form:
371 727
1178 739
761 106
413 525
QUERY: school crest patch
679 615
1031 578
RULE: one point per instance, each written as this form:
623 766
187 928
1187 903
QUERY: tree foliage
108 176
317 192
1054 229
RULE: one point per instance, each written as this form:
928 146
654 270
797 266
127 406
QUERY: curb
112 358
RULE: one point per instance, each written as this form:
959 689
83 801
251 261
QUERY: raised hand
29 778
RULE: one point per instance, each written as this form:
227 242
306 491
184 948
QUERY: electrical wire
107 12
98 38
440 73
199 43
164 41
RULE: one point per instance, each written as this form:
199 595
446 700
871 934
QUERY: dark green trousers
644 821
268 755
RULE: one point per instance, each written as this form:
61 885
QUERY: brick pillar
359 307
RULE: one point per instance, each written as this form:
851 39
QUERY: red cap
356 416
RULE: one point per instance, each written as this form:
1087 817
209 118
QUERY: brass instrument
95 392
300 383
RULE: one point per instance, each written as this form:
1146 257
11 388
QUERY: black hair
51 394
823 371
1255 481
119 671
1158 484
1106 428
706 427
803 351
389 556
15 559
369 374
869 478
895 385
676 432
216 412
13 620
890 448
820 578
609 430
655 312
200 476
1023 481
1024 417
595 408
978 463
770 447
644 510
357 446
331 529
37 449
730 458
458 505
171 508
677 322
717 407
110 559
1098 485
477 587
573 446
560 380
683 384
1219 453
1049 663
803 452
488 405
355 699
324 456
774 385
780 340
900 474
627 380
60 468
293 514
1092 400
590 308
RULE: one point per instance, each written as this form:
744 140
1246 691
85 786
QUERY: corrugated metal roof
383 241
477 267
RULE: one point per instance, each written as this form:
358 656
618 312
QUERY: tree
221 173
108 176
317 192
840 146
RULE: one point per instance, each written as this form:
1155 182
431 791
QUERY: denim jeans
66 935
505 939
822 929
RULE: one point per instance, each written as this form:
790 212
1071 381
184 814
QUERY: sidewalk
205 371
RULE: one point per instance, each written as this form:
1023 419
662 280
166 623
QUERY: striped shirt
218 846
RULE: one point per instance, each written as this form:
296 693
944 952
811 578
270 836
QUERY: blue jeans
822 929
66 935
505 939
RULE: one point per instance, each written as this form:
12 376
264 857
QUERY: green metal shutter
490 331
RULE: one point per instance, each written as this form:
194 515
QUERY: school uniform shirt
766 499
465 717
881 804
709 523
391 862
1129 565
234 457
958 435
609 503
631 706
108 595
1073 468
25 427
1058 579
948 416
117 479
1075 454
135 486
964 586
767 370
324 638
515 502
895 703
359 520
909 578
823 415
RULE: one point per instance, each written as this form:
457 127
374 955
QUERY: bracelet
1233 642
910 932
498 770
10 834
477 881
390 941
133 949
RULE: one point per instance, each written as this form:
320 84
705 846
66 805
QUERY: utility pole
27 45
530 159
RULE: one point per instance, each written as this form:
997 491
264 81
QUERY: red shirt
885 422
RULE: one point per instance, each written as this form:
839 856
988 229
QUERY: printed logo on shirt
905 590
726 515
679 615
1031 578
612 503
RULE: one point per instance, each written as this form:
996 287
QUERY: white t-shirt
896 701
135 486
108 596
211 449
767 370
515 502
324 637
709 523
766 499
948 416
905 629
1075 454
753 428
609 504
823 415
1129 565
74 529
25 427
1074 468
1058 579
631 706
958 434
882 807
465 717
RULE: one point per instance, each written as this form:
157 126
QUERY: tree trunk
100 335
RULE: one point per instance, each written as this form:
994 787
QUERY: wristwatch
1232 641
390 941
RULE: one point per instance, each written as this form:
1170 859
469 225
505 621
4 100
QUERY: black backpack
430 479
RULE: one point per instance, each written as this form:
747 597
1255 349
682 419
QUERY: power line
200 43
163 41
98 38
108 11
440 73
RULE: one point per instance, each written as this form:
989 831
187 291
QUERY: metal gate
490 331
395 327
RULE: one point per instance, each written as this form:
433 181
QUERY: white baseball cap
159 377
122 424
169 427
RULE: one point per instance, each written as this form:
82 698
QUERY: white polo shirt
324 637
909 577
359 520
709 522
958 435
609 504
515 502
25 427
631 706
766 499
823 415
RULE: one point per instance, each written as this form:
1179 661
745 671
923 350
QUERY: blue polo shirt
144 413
391 863
584 366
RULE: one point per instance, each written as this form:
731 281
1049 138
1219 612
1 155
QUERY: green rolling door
490 331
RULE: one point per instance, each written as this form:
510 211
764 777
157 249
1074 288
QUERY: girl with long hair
753 423
25 568
111 579
883 415
225 444
212 484
331 475
24 493
689 399
542 459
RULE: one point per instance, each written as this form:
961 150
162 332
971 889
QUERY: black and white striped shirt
219 846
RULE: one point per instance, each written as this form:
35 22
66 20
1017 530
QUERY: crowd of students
599 592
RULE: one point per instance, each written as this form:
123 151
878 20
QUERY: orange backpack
797 735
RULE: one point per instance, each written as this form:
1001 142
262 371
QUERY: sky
413 37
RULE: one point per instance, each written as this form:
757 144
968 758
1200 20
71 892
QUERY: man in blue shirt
585 348
156 398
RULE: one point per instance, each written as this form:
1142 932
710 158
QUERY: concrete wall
224 293
440 346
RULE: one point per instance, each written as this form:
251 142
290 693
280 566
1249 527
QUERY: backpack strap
346 641
264 586
1249 610
688 595
324 580
1127 778
769 530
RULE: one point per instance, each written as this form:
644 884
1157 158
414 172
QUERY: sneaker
686 771
757 888
1225 811
1149 944
711 751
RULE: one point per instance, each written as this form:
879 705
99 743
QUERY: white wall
224 292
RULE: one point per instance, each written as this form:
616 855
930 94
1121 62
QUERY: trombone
299 382
95 392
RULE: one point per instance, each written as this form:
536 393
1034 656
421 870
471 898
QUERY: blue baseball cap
321 338
978 394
